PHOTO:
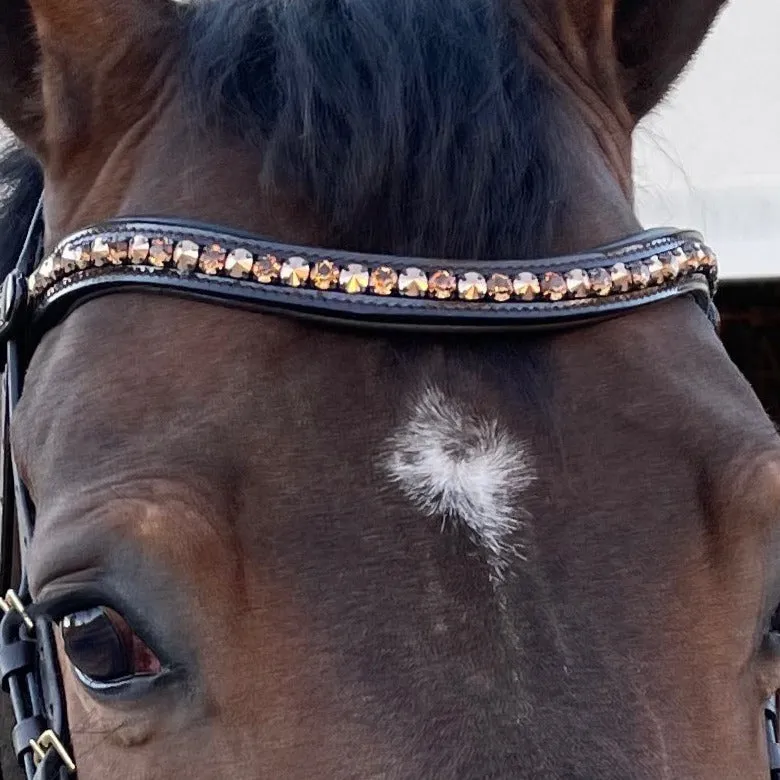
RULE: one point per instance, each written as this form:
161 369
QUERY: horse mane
21 185
416 125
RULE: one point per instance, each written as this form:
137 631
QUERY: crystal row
159 253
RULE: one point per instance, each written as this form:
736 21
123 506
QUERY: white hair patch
464 468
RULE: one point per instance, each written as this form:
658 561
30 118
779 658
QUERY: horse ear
654 40
21 102
73 61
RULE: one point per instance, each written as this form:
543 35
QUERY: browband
230 267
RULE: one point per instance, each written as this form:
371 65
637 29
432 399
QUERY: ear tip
655 42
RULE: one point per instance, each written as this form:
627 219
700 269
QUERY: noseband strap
227 267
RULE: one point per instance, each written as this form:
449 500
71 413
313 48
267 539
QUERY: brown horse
281 550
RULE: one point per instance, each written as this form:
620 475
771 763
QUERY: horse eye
104 649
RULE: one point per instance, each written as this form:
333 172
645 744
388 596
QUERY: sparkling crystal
640 275
267 269
499 287
138 249
413 283
59 267
75 258
295 272
185 255
69 258
324 274
554 287
710 259
472 286
354 278
212 259
682 259
600 281
85 261
238 263
117 252
383 280
578 283
655 268
160 252
527 287
621 278
46 271
696 257
34 284
671 266
442 284
99 252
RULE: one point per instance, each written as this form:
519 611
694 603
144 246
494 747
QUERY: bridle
343 289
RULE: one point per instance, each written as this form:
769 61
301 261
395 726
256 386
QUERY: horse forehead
464 466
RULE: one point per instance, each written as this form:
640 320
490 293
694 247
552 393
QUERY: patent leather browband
230 267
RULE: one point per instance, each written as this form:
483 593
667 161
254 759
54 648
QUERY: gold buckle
50 741
11 602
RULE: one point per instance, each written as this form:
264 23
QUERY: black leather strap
397 314
16 658
51 768
25 731
394 312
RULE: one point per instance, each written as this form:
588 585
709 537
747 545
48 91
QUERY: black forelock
414 125
21 185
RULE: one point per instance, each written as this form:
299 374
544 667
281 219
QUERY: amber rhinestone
640 275
59 267
383 280
85 261
442 284
138 250
117 252
554 286
35 284
655 268
472 286
499 287
578 283
295 271
600 281
671 266
212 259
69 258
526 286
99 252
42 278
354 278
267 269
160 252
621 277
413 283
710 258
682 259
46 269
76 256
238 263
324 274
696 256
185 256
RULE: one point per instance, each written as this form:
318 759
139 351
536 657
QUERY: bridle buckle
12 603
50 741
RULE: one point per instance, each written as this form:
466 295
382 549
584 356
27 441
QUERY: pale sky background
709 157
